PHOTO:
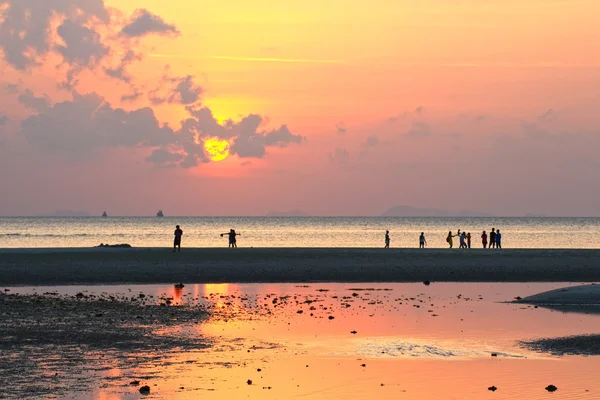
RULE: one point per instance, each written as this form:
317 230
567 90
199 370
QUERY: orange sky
375 91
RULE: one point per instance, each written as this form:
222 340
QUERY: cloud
29 100
419 129
88 122
246 138
3 119
341 128
178 90
133 96
165 158
83 46
25 26
548 116
372 141
119 72
339 156
144 23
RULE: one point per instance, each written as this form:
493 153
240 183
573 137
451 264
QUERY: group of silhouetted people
495 239
232 235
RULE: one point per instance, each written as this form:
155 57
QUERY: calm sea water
293 232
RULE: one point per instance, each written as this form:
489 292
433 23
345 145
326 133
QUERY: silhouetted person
463 238
492 238
450 236
387 239
484 239
177 242
469 240
232 237
498 239
422 241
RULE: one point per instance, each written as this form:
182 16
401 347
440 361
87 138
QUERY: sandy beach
262 265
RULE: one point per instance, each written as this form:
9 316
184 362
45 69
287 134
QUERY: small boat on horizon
104 214
160 213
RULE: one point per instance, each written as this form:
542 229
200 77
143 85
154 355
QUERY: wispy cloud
251 59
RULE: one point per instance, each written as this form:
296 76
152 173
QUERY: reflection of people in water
232 237
178 294
177 242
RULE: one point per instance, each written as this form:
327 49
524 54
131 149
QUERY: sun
217 149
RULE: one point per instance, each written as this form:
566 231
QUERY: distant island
293 213
408 211
70 213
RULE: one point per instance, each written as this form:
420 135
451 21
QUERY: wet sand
322 341
246 265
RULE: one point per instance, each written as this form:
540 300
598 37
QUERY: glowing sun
217 149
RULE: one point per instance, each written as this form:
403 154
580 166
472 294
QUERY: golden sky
348 90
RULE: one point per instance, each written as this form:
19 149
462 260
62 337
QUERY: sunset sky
333 107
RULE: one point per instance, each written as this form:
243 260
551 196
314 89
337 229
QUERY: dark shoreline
294 265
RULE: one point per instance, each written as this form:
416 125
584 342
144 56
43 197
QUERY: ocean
49 232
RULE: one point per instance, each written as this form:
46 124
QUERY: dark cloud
119 72
419 129
178 90
88 122
29 100
133 96
372 141
246 138
165 158
339 156
144 22
25 26
83 46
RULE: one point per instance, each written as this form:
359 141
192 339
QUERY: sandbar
62 266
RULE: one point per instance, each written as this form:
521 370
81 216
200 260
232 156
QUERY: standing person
498 239
422 241
387 240
492 239
231 235
469 240
463 237
484 239
177 242
449 238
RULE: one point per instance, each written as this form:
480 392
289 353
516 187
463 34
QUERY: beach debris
353 332
79 295
492 388
494 354
331 317
518 298
134 383
145 390
258 369
249 381
120 246
551 388
426 283
363 365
